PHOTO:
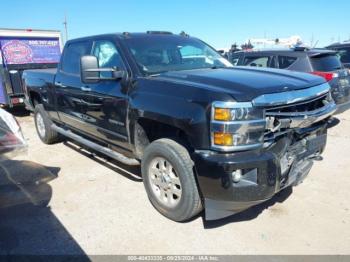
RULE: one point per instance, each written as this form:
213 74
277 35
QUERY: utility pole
65 26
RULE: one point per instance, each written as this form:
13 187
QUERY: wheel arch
146 130
34 96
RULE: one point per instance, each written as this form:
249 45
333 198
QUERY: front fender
186 107
181 113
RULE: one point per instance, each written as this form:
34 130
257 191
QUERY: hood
244 83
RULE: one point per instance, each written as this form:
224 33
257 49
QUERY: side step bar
104 150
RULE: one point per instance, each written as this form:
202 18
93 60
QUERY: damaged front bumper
261 173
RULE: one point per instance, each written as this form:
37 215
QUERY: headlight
237 112
236 126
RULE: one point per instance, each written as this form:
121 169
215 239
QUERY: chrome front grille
301 107
303 112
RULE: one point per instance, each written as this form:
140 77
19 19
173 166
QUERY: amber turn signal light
222 114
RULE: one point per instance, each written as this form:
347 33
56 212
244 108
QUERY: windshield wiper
154 75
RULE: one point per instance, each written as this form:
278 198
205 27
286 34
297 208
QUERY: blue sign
30 50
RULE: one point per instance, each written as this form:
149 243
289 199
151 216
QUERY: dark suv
321 62
343 51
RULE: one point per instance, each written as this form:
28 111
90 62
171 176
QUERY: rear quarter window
285 61
325 63
234 58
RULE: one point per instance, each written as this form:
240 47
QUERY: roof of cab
129 35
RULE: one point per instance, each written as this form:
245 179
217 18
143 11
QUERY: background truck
206 134
22 49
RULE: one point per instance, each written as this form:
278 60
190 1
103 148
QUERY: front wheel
168 177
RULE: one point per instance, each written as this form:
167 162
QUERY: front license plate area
315 144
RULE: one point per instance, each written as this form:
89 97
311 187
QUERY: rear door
72 100
108 98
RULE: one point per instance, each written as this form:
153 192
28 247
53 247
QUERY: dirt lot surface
97 207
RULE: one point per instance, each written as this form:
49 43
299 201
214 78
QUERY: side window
234 58
273 62
107 54
259 61
285 61
72 54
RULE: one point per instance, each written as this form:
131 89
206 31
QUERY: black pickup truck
207 135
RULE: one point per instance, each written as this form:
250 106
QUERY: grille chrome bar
291 97
300 119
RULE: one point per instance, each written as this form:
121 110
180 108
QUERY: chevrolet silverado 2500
207 135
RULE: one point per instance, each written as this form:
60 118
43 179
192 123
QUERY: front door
108 98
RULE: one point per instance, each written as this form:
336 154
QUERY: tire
43 126
181 200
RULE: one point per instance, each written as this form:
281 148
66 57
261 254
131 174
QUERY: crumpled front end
295 135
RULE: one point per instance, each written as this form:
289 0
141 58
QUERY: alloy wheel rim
165 182
40 125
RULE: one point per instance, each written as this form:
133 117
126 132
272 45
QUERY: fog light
237 175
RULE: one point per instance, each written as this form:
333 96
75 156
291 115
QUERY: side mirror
118 74
91 73
89 69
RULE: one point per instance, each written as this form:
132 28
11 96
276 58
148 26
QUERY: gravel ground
98 207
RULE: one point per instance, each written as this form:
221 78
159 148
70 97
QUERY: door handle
59 84
85 89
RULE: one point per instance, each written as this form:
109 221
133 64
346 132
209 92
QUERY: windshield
162 53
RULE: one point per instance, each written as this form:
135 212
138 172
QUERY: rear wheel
43 126
168 177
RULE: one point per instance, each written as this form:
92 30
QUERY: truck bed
47 74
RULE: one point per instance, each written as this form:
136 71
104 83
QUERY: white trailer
22 49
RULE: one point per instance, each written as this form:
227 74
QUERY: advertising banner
30 50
